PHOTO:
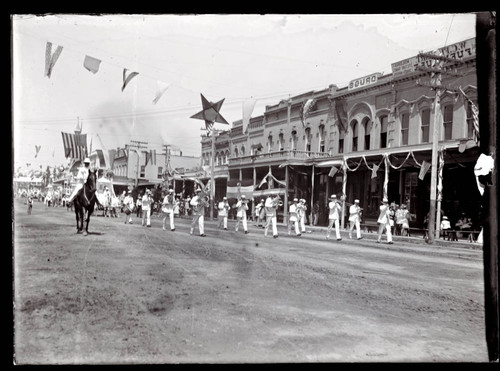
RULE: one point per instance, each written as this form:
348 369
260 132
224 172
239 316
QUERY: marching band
266 209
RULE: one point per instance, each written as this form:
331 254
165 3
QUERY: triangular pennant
333 171
374 171
51 59
126 79
248 107
161 88
91 64
37 149
424 169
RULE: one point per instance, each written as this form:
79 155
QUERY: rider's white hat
87 160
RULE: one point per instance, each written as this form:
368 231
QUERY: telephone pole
436 71
136 146
166 148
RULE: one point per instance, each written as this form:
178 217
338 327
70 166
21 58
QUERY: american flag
75 145
305 109
475 116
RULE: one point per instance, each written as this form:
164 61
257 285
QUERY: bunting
51 59
341 114
37 149
236 188
333 171
126 79
161 87
248 107
374 171
305 109
424 169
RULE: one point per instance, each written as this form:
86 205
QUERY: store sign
363 81
460 50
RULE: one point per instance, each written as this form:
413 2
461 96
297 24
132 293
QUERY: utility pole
136 146
166 172
436 72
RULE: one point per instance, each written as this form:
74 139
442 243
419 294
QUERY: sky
239 58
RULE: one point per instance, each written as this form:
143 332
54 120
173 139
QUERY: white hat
295 200
243 196
385 200
170 190
333 196
302 200
445 217
87 160
197 190
224 198
356 201
128 191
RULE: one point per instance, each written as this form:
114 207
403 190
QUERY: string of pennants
424 166
92 65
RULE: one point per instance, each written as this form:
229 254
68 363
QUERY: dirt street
129 294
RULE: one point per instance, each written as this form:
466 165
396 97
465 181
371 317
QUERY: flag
248 107
161 88
236 188
264 180
37 149
152 156
51 59
72 145
341 114
126 79
91 64
374 171
475 116
333 171
305 109
424 169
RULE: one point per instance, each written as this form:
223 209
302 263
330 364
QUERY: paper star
210 113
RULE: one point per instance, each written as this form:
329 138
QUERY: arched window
405 128
354 128
341 140
294 139
470 119
322 138
270 143
367 125
281 142
383 131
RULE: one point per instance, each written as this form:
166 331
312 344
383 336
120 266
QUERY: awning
330 163
267 192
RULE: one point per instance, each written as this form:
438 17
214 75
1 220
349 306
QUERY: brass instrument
277 202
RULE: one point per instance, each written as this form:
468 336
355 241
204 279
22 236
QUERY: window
368 129
470 120
143 171
294 140
281 141
243 150
236 151
354 127
405 126
160 172
383 131
269 143
425 121
448 121
341 140
322 138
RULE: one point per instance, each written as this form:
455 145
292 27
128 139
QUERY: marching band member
241 214
81 178
333 217
301 211
168 206
147 202
260 213
198 213
355 219
128 207
223 208
384 221
271 206
293 217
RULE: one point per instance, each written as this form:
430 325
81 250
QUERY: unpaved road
127 294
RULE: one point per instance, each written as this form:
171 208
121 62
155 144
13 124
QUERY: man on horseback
81 177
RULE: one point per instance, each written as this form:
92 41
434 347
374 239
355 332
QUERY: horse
84 202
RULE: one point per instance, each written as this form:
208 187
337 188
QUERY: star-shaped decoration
210 113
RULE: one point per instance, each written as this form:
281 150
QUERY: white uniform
147 201
384 223
271 218
301 211
198 215
128 204
241 215
355 220
81 178
294 219
223 208
168 209
333 218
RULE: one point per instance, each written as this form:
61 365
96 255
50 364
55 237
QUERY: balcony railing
277 155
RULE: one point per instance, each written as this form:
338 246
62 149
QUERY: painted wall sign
363 81
461 50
